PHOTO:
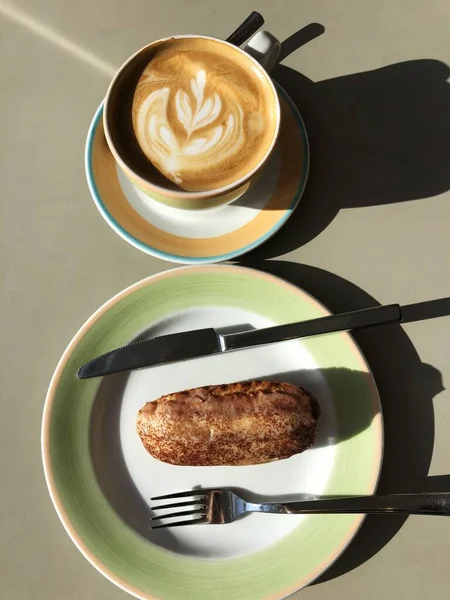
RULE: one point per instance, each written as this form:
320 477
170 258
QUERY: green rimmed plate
100 478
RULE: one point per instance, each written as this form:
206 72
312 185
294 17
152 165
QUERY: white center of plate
129 476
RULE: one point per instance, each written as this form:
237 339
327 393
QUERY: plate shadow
407 387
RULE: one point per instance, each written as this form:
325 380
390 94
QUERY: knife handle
358 319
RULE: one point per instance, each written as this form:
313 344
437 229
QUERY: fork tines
198 503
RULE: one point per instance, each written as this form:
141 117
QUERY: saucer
202 236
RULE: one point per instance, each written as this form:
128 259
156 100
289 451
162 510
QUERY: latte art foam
203 138
201 119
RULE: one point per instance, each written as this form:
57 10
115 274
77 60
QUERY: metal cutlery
218 506
204 342
247 28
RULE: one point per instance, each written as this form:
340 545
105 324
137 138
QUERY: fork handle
406 504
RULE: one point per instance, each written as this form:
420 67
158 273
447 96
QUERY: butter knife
178 347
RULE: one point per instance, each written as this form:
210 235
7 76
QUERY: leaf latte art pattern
209 132
202 114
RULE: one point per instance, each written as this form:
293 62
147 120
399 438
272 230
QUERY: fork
214 506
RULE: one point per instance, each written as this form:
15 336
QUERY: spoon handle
251 24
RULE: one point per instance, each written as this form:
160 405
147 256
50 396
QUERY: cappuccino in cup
202 114
192 120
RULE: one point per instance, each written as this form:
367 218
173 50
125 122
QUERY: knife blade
187 345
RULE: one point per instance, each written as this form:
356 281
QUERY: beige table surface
373 227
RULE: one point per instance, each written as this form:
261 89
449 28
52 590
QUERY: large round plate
202 236
100 478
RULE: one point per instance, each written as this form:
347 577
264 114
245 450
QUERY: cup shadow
406 386
376 137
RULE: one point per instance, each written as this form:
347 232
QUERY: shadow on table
407 387
376 137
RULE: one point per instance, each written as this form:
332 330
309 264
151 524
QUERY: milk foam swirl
211 130
202 113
